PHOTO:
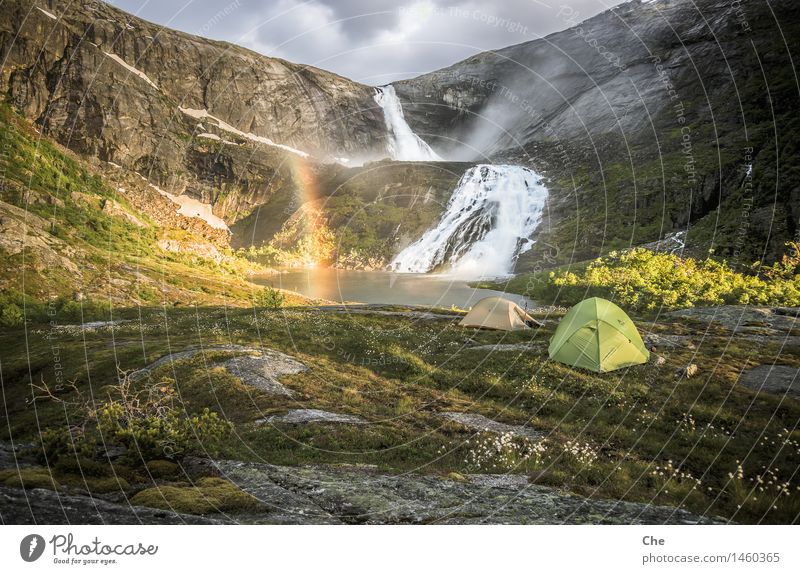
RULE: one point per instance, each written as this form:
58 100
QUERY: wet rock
481 423
776 379
305 416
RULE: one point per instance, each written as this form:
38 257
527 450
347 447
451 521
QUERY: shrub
12 316
159 433
64 443
270 298
148 421
642 279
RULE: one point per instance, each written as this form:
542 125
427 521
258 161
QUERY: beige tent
498 313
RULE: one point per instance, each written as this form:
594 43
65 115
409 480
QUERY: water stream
402 144
486 225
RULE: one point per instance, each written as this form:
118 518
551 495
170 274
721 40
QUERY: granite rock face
596 76
113 85
39 506
776 379
218 122
646 112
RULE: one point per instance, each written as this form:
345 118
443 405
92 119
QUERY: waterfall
486 225
403 144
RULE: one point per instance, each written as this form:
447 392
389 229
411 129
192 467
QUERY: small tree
12 315
270 298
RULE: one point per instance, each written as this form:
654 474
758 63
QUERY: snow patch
204 115
130 68
48 14
190 207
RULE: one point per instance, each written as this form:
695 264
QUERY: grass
607 435
76 251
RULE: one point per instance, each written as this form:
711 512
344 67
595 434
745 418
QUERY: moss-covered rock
35 477
82 467
207 496
162 468
96 485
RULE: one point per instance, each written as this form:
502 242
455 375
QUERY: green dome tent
597 335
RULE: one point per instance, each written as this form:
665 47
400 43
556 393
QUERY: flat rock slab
661 341
741 318
504 347
40 506
481 423
335 494
776 379
188 354
358 495
284 505
305 416
260 368
264 371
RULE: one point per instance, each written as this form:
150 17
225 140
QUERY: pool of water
343 286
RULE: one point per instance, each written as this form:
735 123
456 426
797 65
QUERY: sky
371 41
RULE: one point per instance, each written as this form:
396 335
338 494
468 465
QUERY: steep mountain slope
259 140
74 230
112 85
650 119
213 121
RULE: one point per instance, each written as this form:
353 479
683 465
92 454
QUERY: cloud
372 41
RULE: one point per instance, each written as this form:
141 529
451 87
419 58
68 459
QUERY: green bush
64 444
12 316
148 420
159 434
270 298
644 280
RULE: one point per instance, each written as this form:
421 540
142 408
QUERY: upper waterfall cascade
402 143
486 225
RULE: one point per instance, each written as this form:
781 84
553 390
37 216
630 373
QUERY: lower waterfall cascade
487 224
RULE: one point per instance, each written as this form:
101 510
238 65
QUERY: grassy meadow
643 434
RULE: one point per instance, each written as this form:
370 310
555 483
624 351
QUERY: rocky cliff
196 116
650 118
